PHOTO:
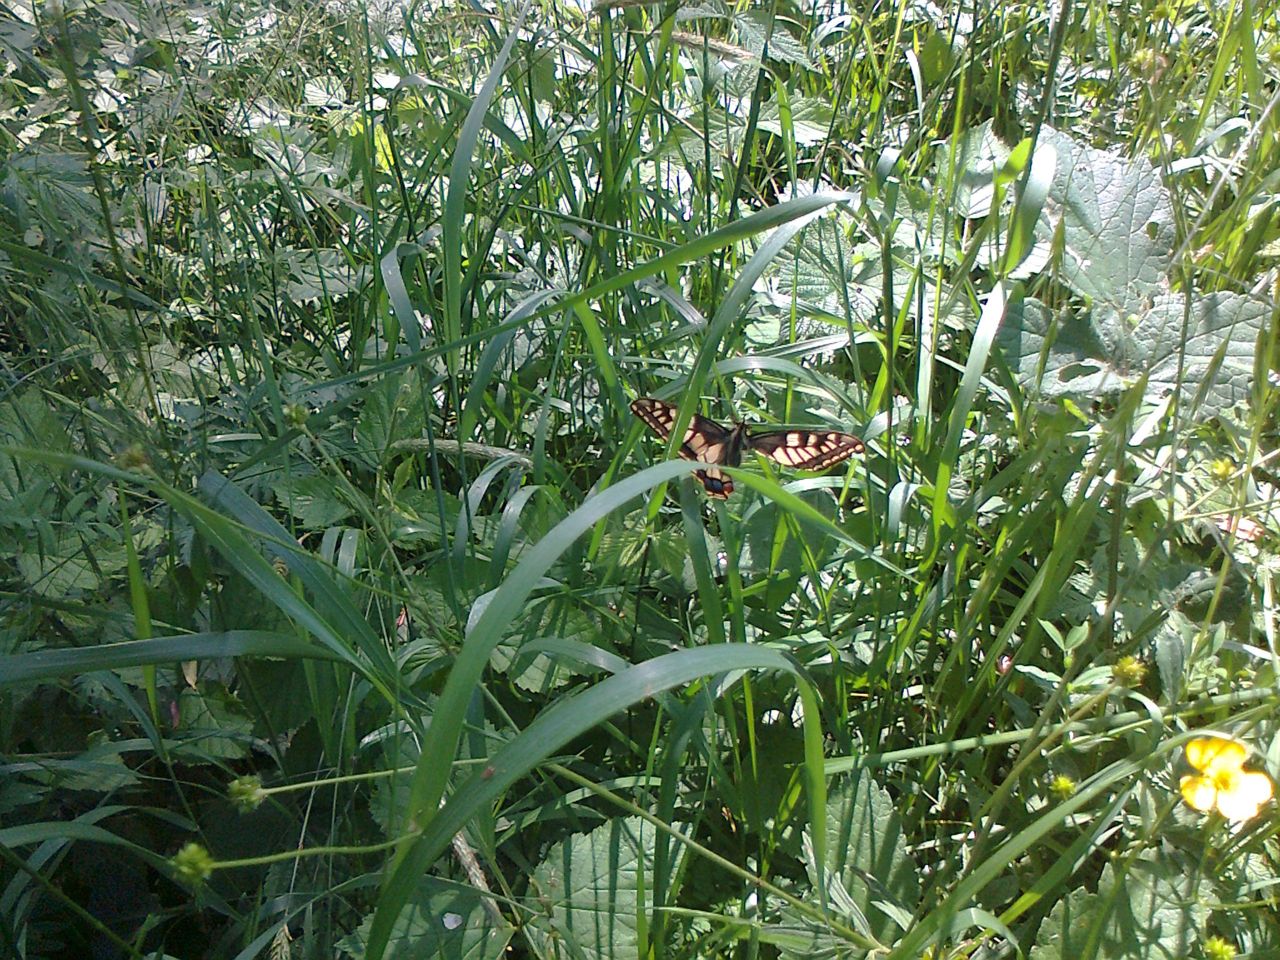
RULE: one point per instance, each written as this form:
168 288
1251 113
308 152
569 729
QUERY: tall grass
347 609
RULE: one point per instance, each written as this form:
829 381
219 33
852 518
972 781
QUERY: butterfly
712 443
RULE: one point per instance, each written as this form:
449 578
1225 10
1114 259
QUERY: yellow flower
1062 787
1222 783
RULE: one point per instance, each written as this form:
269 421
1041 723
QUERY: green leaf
597 890
871 879
312 500
441 919
1057 356
217 721
1148 907
1116 219
754 31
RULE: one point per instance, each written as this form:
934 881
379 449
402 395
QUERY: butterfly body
712 443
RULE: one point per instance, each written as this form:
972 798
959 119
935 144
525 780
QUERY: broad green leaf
312 500
441 919
595 891
1142 908
1116 219
1060 356
872 881
753 32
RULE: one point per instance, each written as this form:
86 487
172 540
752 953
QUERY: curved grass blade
51 664
567 719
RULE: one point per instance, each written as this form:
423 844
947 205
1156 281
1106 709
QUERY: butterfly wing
704 441
806 449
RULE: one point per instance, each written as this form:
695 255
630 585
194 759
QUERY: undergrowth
347 609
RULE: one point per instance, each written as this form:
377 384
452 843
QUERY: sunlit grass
345 608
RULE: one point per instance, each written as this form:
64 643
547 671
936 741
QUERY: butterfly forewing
704 441
806 449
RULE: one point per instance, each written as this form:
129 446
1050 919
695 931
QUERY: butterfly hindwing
806 449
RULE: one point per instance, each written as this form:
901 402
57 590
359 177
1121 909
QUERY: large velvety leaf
595 887
1057 356
1179 344
440 920
1148 908
1116 220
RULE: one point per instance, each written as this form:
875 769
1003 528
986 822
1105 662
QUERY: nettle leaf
710 9
313 501
772 553
440 919
594 888
869 876
319 274
1148 907
1116 219
214 724
518 659
28 493
392 411
50 188
753 32
327 92
100 769
810 120
832 274
972 168
797 936
60 562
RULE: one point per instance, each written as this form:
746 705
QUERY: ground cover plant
348 609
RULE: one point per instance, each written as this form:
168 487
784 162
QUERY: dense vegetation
347 609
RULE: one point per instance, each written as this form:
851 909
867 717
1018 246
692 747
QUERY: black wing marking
806 449
704 441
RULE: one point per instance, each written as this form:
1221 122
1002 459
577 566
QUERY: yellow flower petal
1242 804
1247 795
1199 793
1212 754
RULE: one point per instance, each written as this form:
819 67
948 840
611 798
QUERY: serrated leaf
799 936
810 120
1171 654
753 33
312 501
869 876
832 274
223 730
972 167
1142 908
538 672
324 91
594 888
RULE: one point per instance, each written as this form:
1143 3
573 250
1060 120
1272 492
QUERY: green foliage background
347 610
